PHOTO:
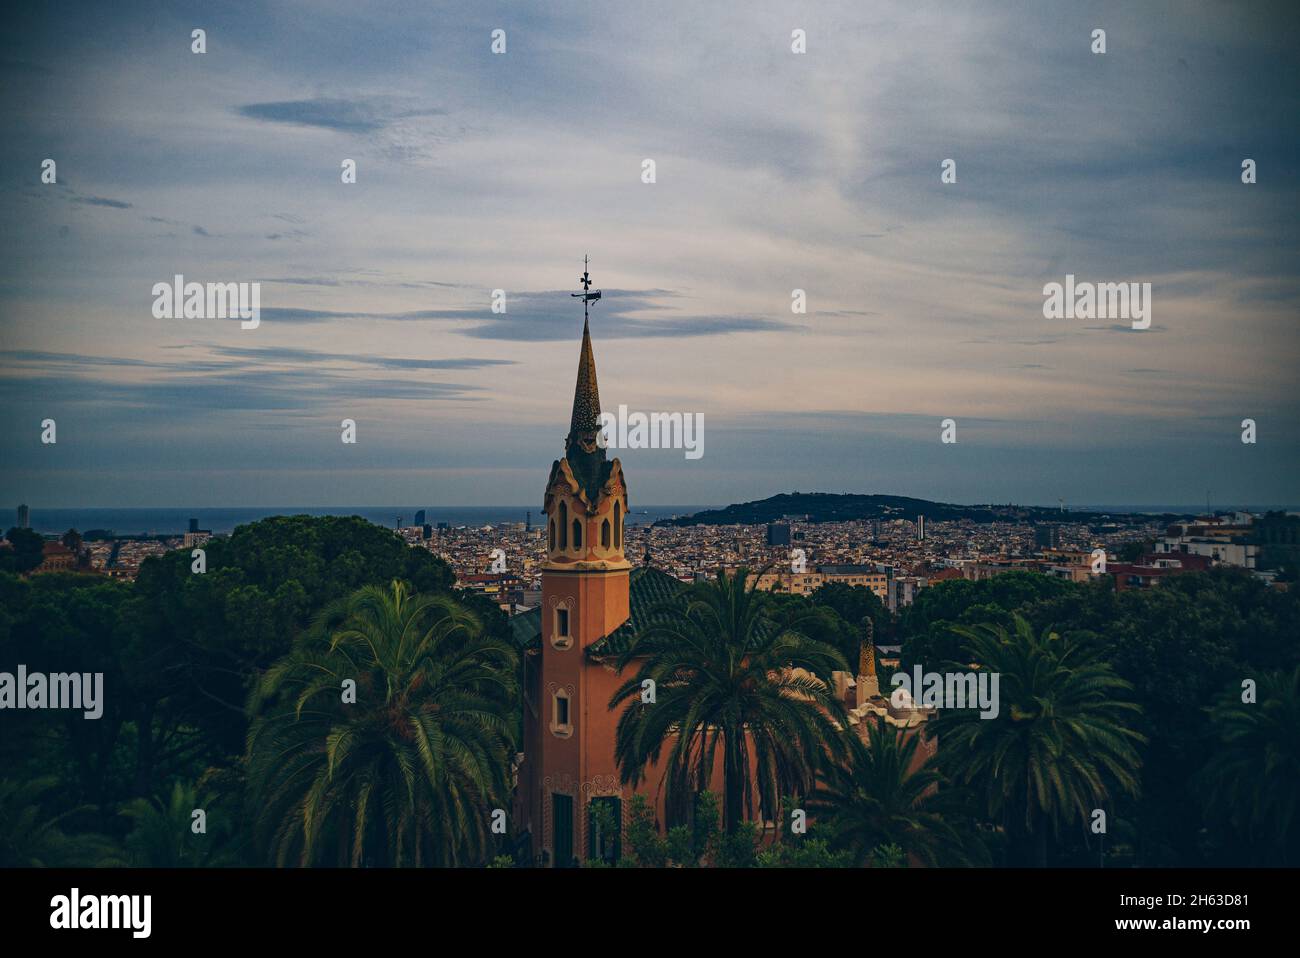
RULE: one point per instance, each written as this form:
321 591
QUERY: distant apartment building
857 575
806 583
903 590
1077 566
1153 567
988 568
1226 542
24 517
1278 536
778 534
1047 535
943 575
504 588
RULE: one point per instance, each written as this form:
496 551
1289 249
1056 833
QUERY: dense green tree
925 624
26 549
1175 644
213 631
1251 783
163 833
881 795
643 846
64 622
853 603
817 622
1061 745
725 675
178 651
33 837
812 850
408 773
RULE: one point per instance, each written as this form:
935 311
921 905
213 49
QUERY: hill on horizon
850 507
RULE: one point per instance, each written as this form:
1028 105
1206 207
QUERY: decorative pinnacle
588 295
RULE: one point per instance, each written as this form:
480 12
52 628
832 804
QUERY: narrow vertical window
560 719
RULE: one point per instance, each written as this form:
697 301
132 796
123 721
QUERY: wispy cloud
363 115
539 316
102 201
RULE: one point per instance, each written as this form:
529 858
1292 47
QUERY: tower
868 687
585 597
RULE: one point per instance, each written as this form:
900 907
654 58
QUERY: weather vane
587 295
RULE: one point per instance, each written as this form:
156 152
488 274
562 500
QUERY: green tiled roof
526 628
648 588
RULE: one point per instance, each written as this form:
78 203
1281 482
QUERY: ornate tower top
586 497
586 394
867 649
585 454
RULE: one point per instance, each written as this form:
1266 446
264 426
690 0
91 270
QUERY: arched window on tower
561 721
564 525
552 545
604 533
561 636
577 533
618 525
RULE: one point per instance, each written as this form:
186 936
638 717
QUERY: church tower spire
586 498
586 394
585 597
583 451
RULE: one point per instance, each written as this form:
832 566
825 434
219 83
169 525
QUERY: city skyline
775 172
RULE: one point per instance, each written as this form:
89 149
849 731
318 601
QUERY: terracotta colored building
56 557
593 603
590 596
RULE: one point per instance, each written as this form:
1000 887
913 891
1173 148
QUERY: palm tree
31 838
163 835
726 674
876 797
1061 744
407 770
1253 779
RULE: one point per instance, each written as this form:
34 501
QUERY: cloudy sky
775 171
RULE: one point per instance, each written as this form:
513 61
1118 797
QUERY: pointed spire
586 394
868 687
867 649
582 449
